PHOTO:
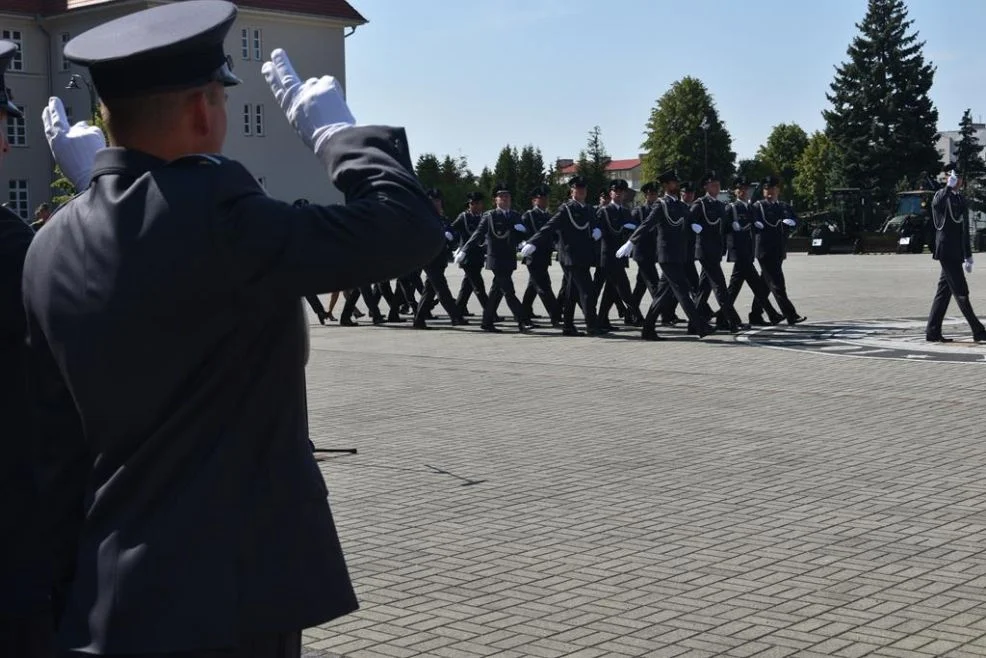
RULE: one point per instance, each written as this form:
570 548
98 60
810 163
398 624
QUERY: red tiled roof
329 8
614 165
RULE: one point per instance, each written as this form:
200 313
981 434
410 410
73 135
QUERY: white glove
968 265
527 249
953 180
758 224
458 256
74 149
629 226
697 228
737 227
625 250
789 222
520 228
449 236
596 234
314 108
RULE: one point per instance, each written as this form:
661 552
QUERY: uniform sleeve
386 228
547 232
478 234
648 226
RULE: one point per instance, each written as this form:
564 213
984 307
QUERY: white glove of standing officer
527 249
74 148
953 180
315 108
737 227
596 234
697 228
520 228
625 250
458 256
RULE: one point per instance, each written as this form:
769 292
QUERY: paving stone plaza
809 491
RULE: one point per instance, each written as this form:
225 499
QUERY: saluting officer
437 285
502 231
574 225
953 248
644 253
539 281
772 221
616 223
740 252
707 218
472 264
168 294
667 224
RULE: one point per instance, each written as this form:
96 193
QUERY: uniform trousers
279 645
773 274
745 272
472 283
616 287
581 290
952 282
502 288
674 287
437 286
713 280
539 285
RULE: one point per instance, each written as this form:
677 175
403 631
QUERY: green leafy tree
817 169
781 152
675 137
530 174
881 118
592 164
753 170
505 170
969 158
429 170
485 182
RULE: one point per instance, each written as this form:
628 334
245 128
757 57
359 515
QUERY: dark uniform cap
619 185
687 186
647 188
669 176
475 196
434 193
771 181
576 181
540 190
950 167
740 182
709 177
167 48
500 188
7 51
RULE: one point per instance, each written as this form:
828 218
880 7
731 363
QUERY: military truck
911 222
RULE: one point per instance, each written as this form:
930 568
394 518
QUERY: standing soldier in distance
435 273
772 220
953 249
472 265
501 229
539 281
211 513
574 224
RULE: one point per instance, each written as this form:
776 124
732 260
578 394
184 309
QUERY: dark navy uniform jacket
497 229
611 220
168 296
535 219
465 225
949 213
739 244
710 214
771 240
644 251
667 223
573 224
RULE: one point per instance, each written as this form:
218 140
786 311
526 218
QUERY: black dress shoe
467 314
498 318
670 322
490 328
650 335
796 320
394 317
758 321
459 322
570 331
606 328
322 317
938 338
347 322
979 338
777 319
533 316
357 313
531 325
420 325
379 319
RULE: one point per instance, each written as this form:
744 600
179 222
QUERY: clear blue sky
468 76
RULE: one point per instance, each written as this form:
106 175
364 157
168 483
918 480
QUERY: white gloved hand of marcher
520 228
315 108
758 224
625 250
737 227
953 180
789 221
74 148
527 249
596 234
458 256
629 226
697 228
968 265
449 236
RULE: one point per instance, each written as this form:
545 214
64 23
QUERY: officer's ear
205 108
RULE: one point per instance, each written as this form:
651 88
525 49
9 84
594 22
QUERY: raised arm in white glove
737 227
596 234
625 250
315 108
789 221
74 148
953 180
968 265
520 228
527 249
697 228
759 225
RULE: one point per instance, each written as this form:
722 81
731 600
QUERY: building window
66 37
18 198
17 62
16 129
258 120
247 120
245 43
258 45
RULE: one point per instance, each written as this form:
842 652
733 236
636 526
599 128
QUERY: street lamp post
73 83
705 128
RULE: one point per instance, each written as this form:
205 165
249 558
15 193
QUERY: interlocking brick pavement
534 495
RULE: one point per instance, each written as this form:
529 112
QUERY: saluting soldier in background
574 226
436 284
472 264
953 249
539 281
772 221
708 214
501 230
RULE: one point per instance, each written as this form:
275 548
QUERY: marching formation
665 237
